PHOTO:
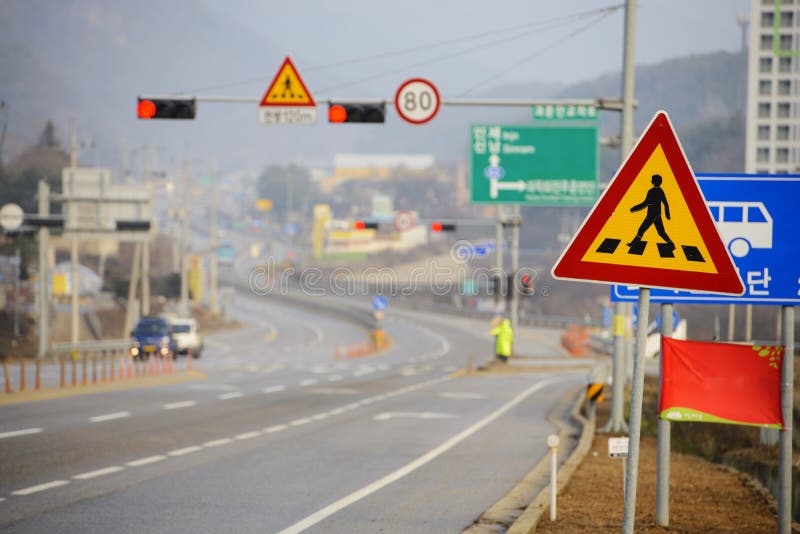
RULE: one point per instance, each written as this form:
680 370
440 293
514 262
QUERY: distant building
773 88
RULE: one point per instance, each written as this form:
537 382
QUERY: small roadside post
552 442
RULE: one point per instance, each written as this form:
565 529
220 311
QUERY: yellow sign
652 227
652 209
287 88
195 278
60 286
264 204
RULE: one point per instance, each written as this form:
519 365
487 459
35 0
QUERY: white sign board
417 101
11 216
287 115
618 447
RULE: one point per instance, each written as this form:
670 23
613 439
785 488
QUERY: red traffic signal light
526 286
166 108
365 225
437 227
341 112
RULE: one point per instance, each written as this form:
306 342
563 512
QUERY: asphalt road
282 437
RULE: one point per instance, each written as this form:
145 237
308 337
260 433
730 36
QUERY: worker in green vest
504 340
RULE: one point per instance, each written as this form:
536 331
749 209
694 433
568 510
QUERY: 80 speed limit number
417 101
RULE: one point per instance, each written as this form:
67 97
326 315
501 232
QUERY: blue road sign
379 303
756 219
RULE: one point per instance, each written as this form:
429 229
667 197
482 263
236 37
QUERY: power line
502 40
538 25
544 49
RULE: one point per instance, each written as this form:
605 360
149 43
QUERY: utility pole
498 260
44 273
632 471
212 270
664 433
183 305
616 422
74 279
146 256
515 222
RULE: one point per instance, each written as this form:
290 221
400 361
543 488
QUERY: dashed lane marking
146 461
23 432
41 487
185 450
217 442
178 405
109 417
99 472
231 395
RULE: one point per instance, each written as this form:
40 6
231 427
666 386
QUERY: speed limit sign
417 101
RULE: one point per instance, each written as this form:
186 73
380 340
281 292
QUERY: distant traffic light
166 108
437 227
365 225
526 286
341 112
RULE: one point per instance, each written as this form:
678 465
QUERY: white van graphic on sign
742 225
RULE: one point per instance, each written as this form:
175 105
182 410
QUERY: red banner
721 383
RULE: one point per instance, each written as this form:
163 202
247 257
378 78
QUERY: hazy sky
490 43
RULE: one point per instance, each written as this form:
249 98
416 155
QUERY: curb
506 511
132 383
526 523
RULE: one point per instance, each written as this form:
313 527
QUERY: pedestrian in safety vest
504 340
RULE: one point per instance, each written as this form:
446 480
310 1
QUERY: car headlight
134 351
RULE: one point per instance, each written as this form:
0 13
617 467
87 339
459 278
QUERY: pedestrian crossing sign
651 227
287 88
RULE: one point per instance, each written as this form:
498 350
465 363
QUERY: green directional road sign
534 165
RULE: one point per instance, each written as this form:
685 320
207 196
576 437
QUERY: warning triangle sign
651 227
287 88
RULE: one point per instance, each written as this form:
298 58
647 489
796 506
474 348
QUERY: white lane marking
40 487
273 389
185 450
217 442
23 432
247 435
385 416
99 472
231 395
275 428
177 405
320 416
2 499
145 461
109 417
412 466
335 378
462 395
301 421
309 382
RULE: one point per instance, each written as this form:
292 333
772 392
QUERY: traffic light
166 108
526 286
365 225
437 227
341 112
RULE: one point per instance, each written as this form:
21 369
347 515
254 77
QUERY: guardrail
98 345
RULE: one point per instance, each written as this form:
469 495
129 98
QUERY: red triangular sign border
570 265
275 81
